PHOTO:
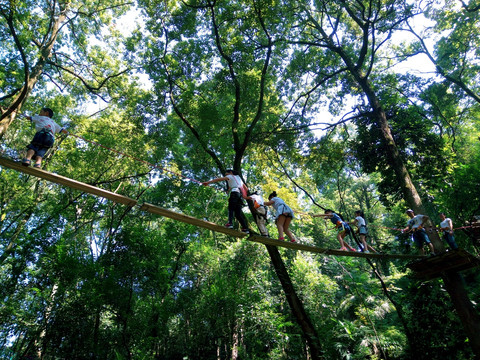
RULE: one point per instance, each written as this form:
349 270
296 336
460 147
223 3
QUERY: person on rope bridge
260 213
447 227
362 230
343 229
44 137
283 216
417 225
235 201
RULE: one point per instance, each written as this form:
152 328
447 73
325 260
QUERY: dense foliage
295 96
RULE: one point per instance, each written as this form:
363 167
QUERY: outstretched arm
206 183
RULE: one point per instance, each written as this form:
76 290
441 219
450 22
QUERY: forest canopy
343 105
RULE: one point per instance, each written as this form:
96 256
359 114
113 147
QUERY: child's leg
260 219
286 225
280 222
340 240
345 244
364 242
30 154
38 160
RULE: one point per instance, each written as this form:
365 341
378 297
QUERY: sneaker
246 231
229 226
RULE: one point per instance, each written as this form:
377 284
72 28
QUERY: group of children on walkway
44 139
417 224
283 213
284 216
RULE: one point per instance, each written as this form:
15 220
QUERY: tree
221 87
331 27
53 41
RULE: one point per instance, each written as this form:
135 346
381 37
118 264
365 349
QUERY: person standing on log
447 227
236 187
417 225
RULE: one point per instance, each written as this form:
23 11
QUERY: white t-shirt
360 221
234 183
44 122
445 224
416 221
257 199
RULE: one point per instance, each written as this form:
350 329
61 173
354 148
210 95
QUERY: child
447 227
260 213
417 225
44 138
284 216
342 228
235 202
360 223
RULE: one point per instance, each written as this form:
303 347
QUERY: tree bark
296 304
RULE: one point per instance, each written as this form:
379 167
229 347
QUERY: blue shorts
285 211
363 230
343 227
42 141
419 237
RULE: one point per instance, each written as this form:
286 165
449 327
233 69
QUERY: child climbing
235 201
342 228
260 212
44 137
362 231
284 216
417 225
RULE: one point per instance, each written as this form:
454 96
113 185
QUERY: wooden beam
444 263
314 249
62 180
191 220
153 209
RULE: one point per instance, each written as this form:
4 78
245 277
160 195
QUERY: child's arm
322 215
206 183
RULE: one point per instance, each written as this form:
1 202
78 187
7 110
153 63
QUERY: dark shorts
344 227
42 141
421 236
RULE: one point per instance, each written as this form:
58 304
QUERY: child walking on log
235 201
284 216
342 228
260 213
362 231
44 137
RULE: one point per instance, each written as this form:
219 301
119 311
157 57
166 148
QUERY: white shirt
446 224
257 199
44 122
360 221
416 221
234 182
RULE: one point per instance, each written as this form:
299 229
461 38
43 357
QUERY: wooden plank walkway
450 261
157 210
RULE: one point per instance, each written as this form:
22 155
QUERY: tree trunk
296 304
466 312
453 284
